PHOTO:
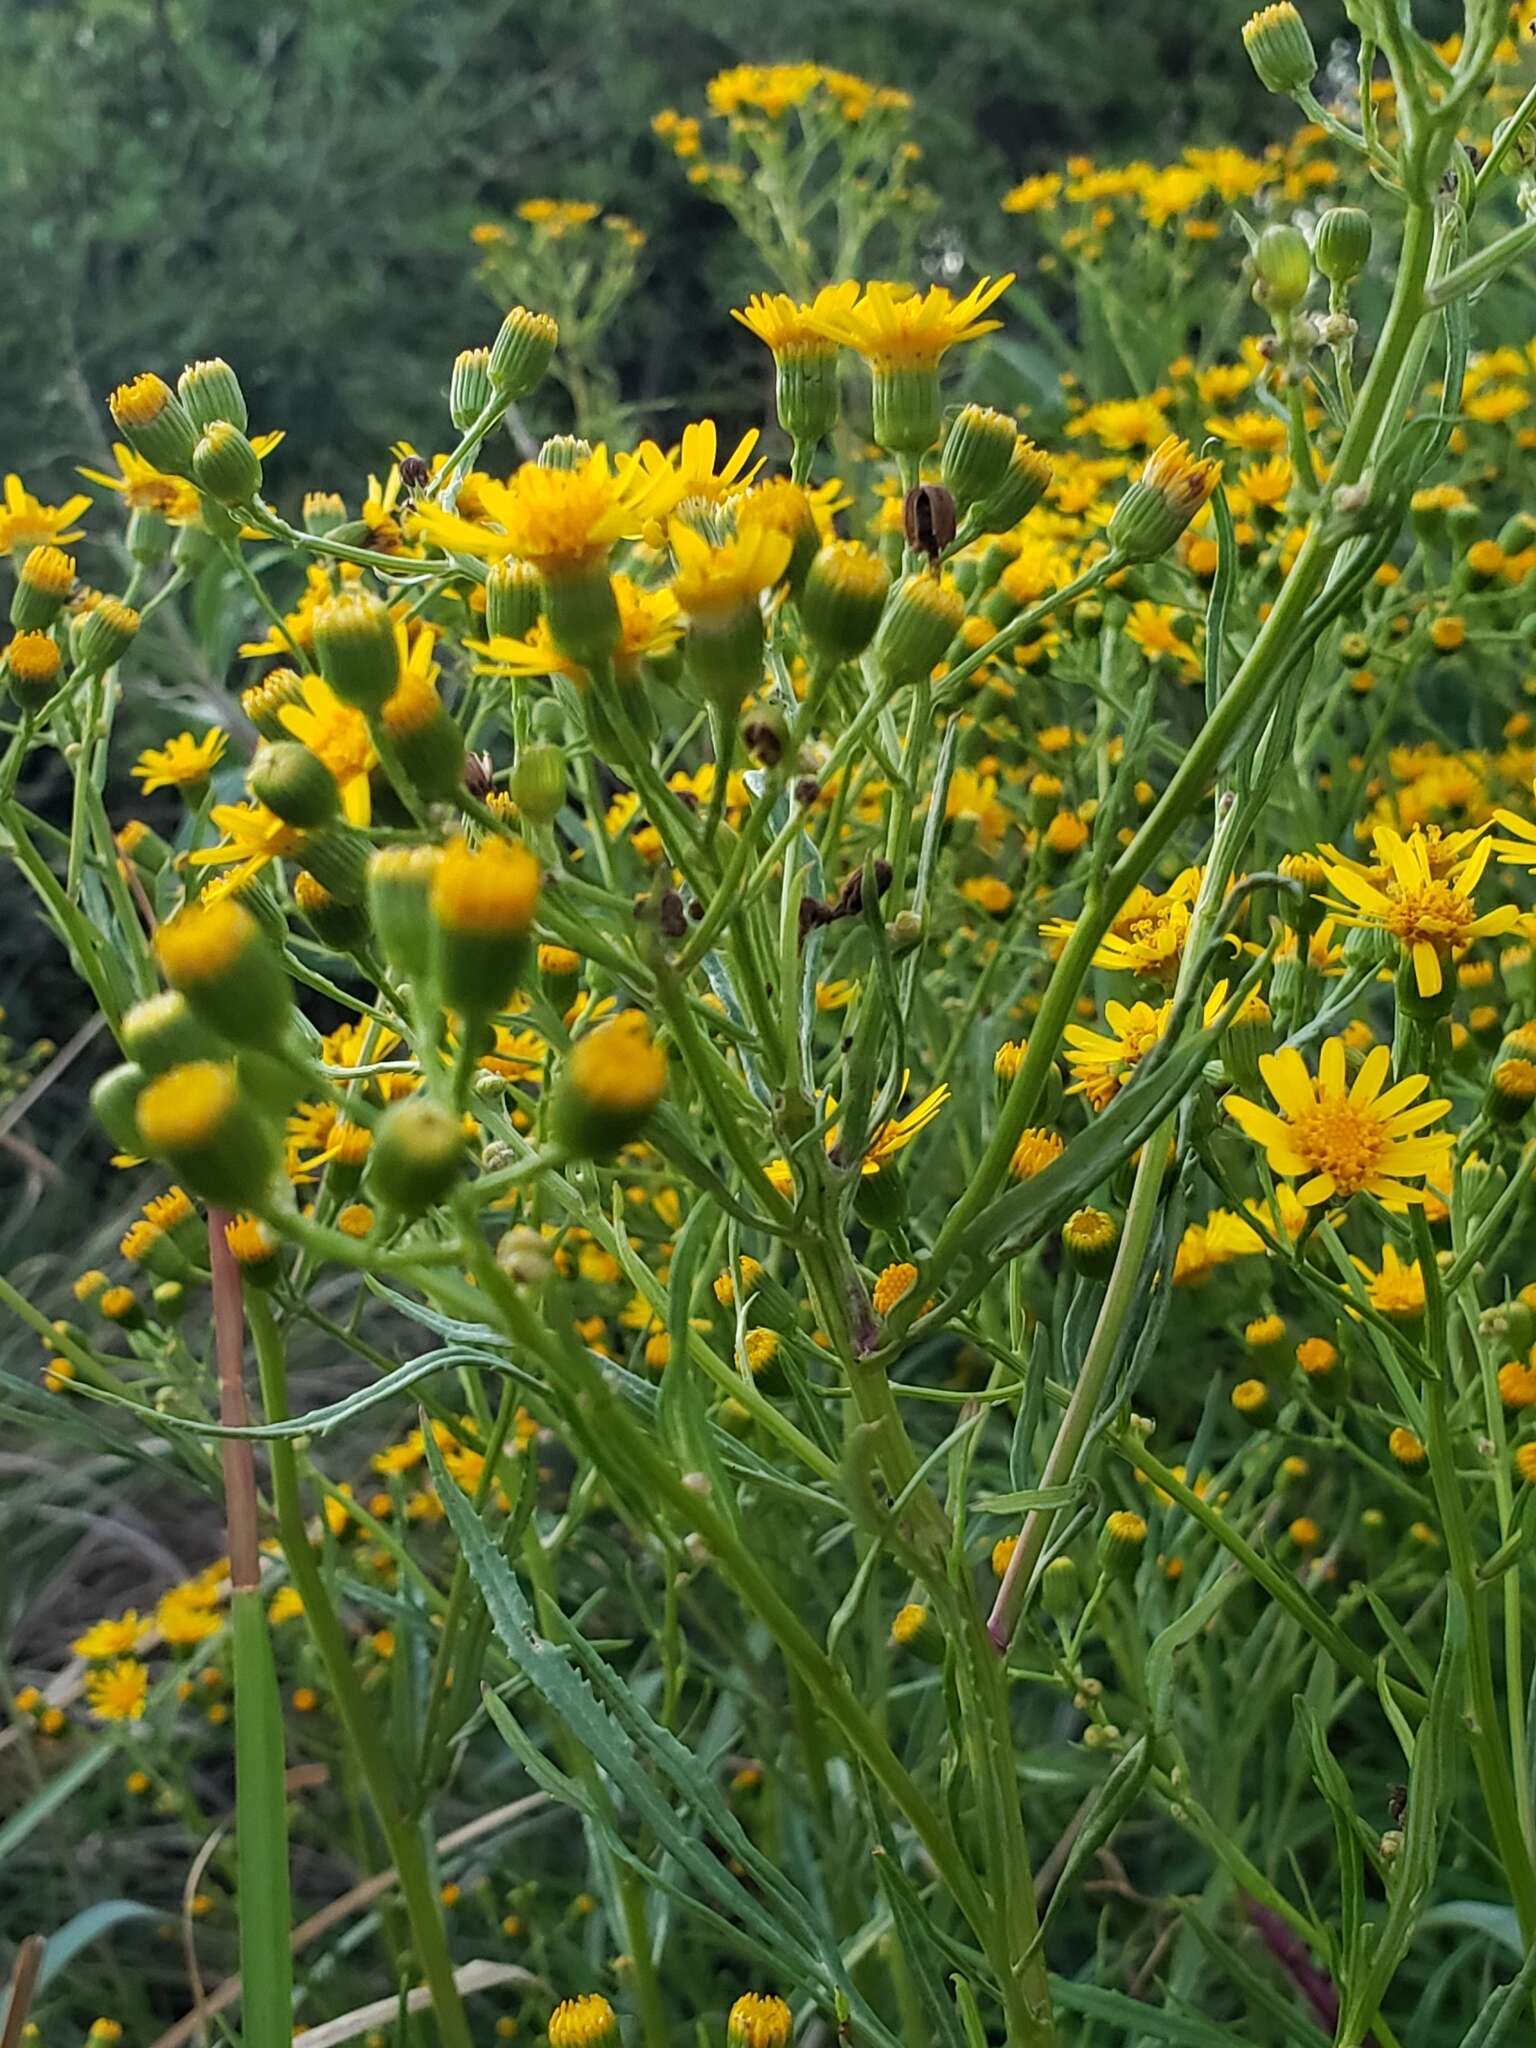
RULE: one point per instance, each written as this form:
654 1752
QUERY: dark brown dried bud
928 519
850 898
477 775
764 740
414 472
807 789
670 915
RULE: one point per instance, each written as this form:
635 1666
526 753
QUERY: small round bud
538 781
1090 1238
482 906
564 451
416 1156
33 670
294 784
1279 48
977 451
256 1249
342 926
922 618
842 599
196 1119
154 423
163 1031
1121 1542
524 1257
514 597
521 353
916 1630
1342 246
1061 1590
356 647
103 635
470 389
1159 505
1284 266
114 1102
1512 1090
1024 483
218 957
427 742
399 892
43 584
758 2021
225 465
612 1080
211 393
1250 1399
585 2022
265 702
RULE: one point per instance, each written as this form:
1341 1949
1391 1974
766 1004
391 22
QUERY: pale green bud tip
1279 48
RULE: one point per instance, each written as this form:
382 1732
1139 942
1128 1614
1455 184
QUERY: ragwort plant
949 1105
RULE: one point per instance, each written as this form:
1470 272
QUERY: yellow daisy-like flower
561 520
1103 1061
792 328
339 736
114 1638
298 630
1346 1140
1432 917
1154 629
182 763
649 624
897 1133
715 579
1147 937
25 522
689 470
1397 1291
896 328
253 836
118 1691
143 488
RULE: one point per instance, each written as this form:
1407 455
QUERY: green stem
364 1734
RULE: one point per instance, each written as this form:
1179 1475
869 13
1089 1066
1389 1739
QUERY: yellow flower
186 1616
182 762
894 1284
25 522
894 327
897 1133
556 217
117 1692
144 488
1103 1061
338 735
1034 194
791 328
713 580
1397 1291
1035 1151
111 1638
689 471
1255 433
649 624
1147 937
1345 1140
561 520
1433 918
1153 628
253 836
585 2022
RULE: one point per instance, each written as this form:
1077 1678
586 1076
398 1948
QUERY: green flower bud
196 1119
514 598
922 618
537 784
470 389
399 892
103 635
1061 1590
154 423
162 1031
906 406
844 595
583 614
218 957
1171 489
342 926
356 648
522 351
43 584
1121 1542
1280 49
33 670
1284 266
294 784
1342 247
416 1156
226 466
114 1103
611 1081
564 451
336 856
1024 483
211 392
482 909
977 451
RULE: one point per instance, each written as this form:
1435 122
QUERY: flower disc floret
1344 1139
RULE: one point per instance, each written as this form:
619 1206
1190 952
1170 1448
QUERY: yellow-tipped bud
416 1156
758 2020
522 352
470 389
195 1118
483 904
225 466
1279 48
977 451
104 634
355 646
211 393
1024 483
219 958
585 2022
1162 501
612 1080
922 618
844 595
154 423
47 577
399 895
514 598
33 669
1121 1542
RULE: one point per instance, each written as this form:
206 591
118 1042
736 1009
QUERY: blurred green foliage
290 183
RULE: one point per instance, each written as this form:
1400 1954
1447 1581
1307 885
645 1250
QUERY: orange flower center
1342 1140
1434 913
